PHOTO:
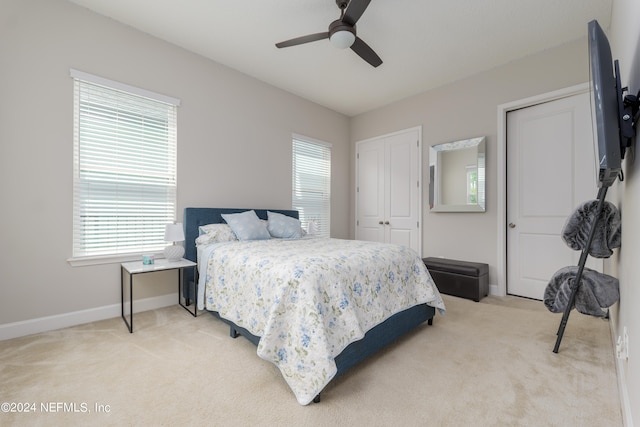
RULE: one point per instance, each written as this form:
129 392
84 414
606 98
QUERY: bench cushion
465 268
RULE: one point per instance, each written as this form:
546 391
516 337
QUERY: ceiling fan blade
365 52
354 11
304 39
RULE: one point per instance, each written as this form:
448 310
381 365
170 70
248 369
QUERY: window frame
81 78
325 226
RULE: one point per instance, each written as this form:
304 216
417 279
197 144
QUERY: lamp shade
342 39
173 233
312 228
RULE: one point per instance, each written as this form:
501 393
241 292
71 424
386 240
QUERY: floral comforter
309 298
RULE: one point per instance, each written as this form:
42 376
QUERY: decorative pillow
247 225
212 233
282 226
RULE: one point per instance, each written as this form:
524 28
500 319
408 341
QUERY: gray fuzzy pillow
608 232
597 291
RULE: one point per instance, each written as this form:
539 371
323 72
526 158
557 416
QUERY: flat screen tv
606 106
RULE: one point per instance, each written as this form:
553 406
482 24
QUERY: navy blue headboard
195 217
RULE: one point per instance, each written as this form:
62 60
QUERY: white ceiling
424 44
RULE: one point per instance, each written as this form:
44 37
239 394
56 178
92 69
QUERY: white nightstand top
159 265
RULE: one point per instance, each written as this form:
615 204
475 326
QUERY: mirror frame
479 143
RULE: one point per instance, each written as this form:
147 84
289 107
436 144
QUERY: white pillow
283 226
247 226
212 233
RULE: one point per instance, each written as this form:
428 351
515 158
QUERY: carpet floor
482 364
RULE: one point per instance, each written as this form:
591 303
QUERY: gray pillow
247 226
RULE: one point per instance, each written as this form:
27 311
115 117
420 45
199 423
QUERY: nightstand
137 267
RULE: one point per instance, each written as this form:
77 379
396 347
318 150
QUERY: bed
314 307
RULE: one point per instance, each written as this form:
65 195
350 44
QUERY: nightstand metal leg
131 303
130 323
187 300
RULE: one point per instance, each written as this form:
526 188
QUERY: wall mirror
457 176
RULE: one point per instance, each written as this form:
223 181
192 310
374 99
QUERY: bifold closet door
388 189
370 198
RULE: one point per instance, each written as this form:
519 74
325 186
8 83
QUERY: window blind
481 179
124 170
312 182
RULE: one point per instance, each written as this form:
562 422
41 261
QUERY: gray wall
466 109
234 147
625 45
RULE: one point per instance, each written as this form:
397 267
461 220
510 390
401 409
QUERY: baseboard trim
50 323
625 408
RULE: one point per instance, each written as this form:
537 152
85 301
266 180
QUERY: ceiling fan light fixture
342 32
342 39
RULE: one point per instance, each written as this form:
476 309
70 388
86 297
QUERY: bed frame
374 340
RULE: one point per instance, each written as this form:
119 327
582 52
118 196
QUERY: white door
402 188
550 171
370 203
388 189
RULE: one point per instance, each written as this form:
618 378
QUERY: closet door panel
402 189
370 192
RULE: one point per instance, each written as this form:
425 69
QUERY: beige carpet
483 364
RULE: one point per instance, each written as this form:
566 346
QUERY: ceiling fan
342 32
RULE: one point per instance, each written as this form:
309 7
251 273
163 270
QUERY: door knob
380 222
386 222
512 225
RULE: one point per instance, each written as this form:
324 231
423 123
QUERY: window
312 182
124 180
472 184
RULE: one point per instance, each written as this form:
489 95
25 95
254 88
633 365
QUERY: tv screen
606 95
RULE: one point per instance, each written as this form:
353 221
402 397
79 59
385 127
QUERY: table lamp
312 227
173 233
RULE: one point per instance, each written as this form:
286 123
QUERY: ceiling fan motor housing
338 25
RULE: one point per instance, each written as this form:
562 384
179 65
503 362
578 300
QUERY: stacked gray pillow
596 291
